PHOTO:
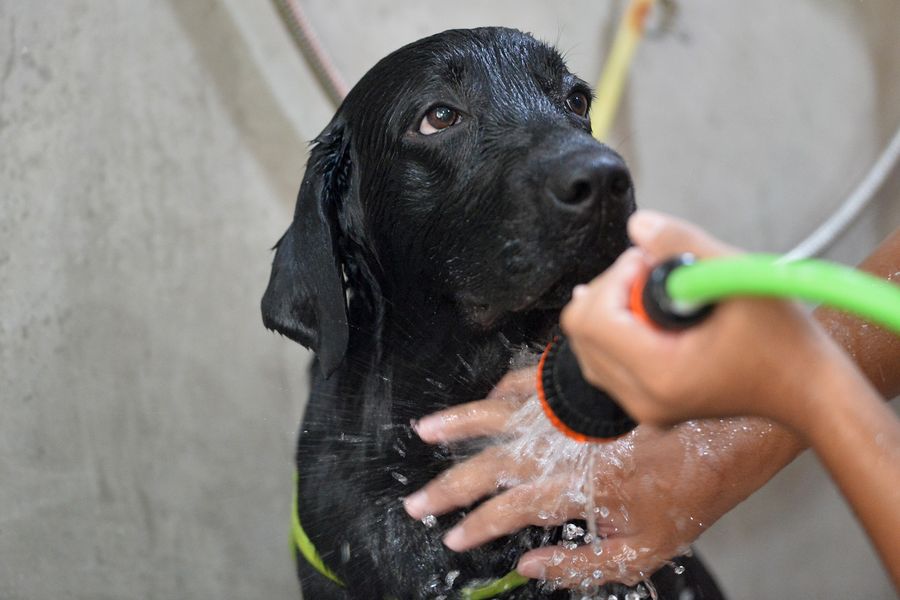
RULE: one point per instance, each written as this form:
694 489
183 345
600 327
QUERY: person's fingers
463 484
516 385
598 319
473 419
547 503
662 236
613 559
604 297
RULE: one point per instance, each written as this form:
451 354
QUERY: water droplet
632 596
451 577
556 558
679 569
572 531
598 574
429 520
604 512
345 552
569 545
399 448
399 477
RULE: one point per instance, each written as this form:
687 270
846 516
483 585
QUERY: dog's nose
586 179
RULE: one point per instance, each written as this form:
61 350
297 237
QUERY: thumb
662 236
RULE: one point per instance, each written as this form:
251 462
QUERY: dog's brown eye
438 119
577 102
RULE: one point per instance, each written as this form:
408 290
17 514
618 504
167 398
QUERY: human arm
874 350
762 358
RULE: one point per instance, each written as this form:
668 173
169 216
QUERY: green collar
302 544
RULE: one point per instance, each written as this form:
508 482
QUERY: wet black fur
416 267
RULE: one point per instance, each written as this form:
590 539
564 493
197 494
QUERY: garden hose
680 293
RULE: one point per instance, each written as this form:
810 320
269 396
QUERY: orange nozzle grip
636 299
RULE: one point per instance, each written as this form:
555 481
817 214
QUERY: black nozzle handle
660 307
579 407
585 412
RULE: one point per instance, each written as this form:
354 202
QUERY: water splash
534 441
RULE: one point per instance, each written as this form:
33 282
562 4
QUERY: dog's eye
578 103
437 119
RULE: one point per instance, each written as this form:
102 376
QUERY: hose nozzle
584 412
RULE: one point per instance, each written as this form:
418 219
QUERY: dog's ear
305 298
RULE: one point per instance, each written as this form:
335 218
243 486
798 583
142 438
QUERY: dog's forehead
463 56
484 62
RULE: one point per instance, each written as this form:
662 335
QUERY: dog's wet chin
482 315
487 315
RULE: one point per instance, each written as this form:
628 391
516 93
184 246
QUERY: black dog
446 213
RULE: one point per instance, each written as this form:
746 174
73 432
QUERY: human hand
488 417
654 491
750 357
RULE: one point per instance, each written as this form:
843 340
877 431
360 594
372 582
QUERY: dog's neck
427 349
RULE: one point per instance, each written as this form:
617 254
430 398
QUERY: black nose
584 179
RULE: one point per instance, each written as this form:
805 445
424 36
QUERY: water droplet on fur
399 448
345 552
399 477
679 569
451 577
429 520
433 582
572 531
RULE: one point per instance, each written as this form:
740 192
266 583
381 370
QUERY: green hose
813 281
510 581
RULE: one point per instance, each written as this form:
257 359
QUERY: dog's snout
584 180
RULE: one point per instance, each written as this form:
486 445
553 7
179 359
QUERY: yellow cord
612 82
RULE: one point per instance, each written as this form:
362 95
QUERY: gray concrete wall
149 156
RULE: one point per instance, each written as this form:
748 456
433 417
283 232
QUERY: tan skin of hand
763 358
754 450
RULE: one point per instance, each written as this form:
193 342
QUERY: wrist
832 397
751 450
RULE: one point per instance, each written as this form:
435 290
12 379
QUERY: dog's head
461 170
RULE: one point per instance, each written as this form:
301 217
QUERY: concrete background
149 157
